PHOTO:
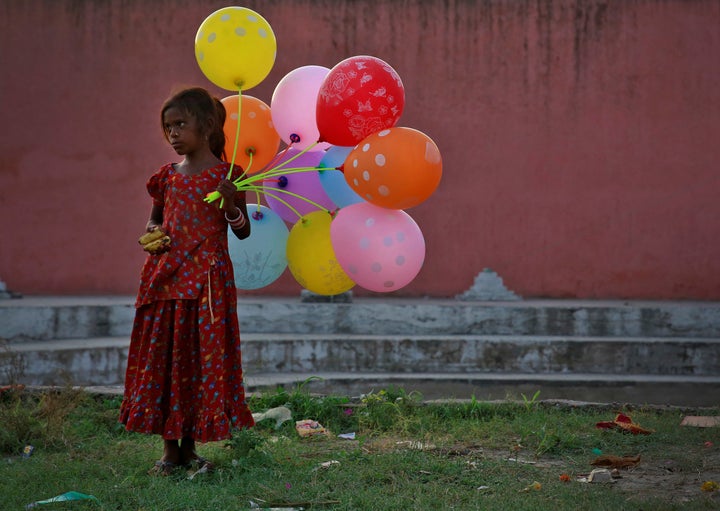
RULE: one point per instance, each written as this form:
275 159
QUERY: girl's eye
176 125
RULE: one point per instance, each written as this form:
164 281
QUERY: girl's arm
235 209
240 204
156 218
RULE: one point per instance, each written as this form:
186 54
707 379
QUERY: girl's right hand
227 190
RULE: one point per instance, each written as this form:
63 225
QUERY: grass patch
407 454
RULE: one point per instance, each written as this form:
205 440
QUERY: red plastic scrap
625 424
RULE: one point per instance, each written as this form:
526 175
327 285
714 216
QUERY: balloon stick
278 156
237 133
249 166
242 182
237 138
271 194
274 195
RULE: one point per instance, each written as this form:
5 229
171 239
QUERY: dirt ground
666 478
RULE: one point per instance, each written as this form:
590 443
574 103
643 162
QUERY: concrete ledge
611 392
665 391
38 318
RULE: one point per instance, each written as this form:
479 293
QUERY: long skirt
184 374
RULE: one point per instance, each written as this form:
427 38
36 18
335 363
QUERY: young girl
184 376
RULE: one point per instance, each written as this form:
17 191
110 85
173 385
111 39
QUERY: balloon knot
294 138
250 151
282 181
257 215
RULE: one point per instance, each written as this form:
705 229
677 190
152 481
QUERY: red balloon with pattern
360 96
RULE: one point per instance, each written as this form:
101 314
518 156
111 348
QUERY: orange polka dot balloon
397 168
257 133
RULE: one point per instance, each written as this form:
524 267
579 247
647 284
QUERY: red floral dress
184 374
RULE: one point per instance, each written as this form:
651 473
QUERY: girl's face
182 131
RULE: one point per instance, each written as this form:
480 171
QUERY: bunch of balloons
328 158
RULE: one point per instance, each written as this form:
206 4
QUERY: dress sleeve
156 186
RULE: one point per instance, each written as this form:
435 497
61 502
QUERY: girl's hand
227 189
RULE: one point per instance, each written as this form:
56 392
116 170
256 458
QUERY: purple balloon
306 184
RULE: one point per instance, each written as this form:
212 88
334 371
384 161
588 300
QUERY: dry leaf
610 461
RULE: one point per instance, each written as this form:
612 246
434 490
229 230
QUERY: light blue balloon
335 156
259 259
333 181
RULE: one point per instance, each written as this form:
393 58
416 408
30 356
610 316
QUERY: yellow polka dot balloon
311 257
235 48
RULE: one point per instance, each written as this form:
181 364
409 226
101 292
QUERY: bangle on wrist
237 222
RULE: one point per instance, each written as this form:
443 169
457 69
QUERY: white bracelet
238 222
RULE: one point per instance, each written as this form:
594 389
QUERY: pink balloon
380 249
306 184
293 106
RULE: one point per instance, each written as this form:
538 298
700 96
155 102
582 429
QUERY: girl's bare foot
191 458
170 460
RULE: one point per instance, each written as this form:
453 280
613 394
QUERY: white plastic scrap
327 464
599 475
281 414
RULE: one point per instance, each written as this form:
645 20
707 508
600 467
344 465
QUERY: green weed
530 403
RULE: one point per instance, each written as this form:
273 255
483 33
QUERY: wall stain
589 21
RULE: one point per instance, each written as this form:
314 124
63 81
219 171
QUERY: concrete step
638 352
481 353
102 361
42 318
97 361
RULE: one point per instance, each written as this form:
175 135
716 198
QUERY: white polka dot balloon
380 249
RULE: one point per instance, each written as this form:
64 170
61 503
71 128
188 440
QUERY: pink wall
580 138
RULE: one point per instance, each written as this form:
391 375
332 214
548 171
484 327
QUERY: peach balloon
396 168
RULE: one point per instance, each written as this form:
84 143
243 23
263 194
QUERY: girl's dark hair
209 112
